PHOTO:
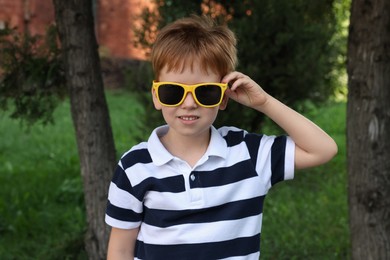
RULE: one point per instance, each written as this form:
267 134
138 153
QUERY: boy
192 191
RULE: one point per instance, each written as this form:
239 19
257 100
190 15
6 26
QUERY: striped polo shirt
211 211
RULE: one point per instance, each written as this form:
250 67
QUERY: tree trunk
89 113
368 129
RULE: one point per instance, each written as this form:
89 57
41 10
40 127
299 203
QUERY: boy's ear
224 103
157 104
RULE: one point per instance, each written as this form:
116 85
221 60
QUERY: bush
31 75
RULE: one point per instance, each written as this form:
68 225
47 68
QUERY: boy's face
189 118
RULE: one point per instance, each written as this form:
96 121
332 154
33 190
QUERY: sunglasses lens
170 94
208 95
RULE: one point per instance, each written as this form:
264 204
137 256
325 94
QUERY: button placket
195 189
185 171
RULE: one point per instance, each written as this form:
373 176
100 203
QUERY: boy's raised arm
313 145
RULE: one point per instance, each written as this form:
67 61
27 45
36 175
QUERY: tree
368 124
89 113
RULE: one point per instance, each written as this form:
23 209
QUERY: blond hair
195 39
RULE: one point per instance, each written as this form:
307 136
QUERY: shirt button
192 177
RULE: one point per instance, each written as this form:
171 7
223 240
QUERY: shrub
31 75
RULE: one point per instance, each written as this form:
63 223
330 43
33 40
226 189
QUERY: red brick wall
32 15
42 15
11 12
114 21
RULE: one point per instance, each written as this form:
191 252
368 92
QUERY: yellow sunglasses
205 94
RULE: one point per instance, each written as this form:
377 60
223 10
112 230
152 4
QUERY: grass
41 201
41 204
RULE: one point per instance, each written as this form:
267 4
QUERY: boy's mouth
188 118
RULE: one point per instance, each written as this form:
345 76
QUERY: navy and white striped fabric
211 211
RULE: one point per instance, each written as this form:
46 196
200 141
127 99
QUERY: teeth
189 118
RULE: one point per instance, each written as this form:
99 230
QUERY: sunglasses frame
189 89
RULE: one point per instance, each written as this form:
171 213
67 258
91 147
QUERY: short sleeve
123 210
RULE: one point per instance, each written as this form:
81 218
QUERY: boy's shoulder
137 154
148 151
225 130
136 148
234 135
143 147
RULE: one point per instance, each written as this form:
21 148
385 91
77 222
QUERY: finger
239 82
231 77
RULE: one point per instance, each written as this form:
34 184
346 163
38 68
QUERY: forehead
189 61
189 74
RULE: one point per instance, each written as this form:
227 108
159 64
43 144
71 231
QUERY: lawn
41 201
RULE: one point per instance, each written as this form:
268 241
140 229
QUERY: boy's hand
244 90
312 145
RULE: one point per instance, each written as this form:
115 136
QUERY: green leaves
31 78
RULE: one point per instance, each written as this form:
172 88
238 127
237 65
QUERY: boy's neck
187 148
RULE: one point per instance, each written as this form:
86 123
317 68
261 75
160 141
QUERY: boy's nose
189 101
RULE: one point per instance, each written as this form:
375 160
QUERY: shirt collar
160 155
217 145
157 150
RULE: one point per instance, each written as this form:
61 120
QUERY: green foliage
342 12
288 48
294 49
31 78
42 213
